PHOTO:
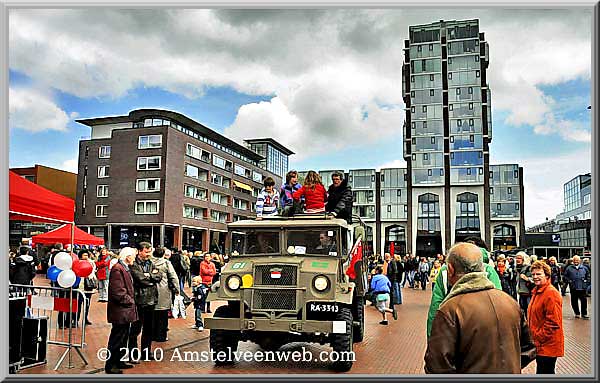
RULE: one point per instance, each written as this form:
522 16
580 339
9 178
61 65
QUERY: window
102 191
242 171
240 204
104 151
197 153
219 180
414 157
457 91
103 171
431 47
431 92
257 176
412 109
449 60
441 172
480 171
222 163
150 142
424 108
476 73
498 207
509 190
412 78
424 124
476 58
148 163
451 138
101 211
516 206
491 175
412 93
193 212
431 78
146 207
471 122
389 208
426 157
491 190
587 198
433 140
195 192
146 185
218 216
470 106
87 151
450 107
383 193
470 90
399 192
458 122
429 172
516 174
449 76
419 48
413 125
382 178
468 171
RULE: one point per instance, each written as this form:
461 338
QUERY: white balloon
63 261
66 278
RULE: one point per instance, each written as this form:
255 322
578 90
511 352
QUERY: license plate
323 308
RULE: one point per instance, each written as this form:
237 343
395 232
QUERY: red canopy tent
63 235
30 202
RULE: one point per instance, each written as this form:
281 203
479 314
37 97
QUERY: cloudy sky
325 83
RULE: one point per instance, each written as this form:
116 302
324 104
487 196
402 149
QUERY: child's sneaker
200 328
384 322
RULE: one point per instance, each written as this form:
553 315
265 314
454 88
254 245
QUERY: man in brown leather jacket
478 329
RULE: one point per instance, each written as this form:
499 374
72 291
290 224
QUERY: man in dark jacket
22 268
145 280
339 198
121 310
577 276
478 329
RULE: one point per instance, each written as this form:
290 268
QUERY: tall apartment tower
446 135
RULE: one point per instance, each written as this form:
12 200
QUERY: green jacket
441 288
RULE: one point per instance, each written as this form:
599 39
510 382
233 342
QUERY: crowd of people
513 301
310 197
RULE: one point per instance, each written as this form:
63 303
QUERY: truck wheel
223 340
358 312
342 343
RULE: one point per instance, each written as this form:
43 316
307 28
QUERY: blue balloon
76 283
52 273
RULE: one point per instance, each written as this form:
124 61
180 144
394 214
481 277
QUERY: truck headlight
321 283
234 282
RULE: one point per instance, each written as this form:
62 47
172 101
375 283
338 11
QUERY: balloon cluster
68 270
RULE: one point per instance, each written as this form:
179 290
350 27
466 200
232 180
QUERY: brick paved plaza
395 349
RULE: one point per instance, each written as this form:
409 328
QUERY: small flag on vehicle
275 273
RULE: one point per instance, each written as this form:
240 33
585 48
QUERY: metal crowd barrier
65 310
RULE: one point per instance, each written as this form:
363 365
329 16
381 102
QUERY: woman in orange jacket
545 319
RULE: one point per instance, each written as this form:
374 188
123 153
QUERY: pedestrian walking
524 282
168 285
399 275
556 278
506 274
577 275
423 273
207 272
545 319
121 311
90 284
381 287
195 261
145 280
478 329
102 265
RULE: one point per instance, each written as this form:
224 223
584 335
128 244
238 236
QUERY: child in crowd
200 292
381 287
434 272
314 193
267 200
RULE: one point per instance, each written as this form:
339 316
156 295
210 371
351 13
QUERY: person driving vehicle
326 244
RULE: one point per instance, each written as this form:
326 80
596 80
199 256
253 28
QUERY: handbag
90 283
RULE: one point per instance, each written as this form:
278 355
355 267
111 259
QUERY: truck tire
358 314
222 340
342 343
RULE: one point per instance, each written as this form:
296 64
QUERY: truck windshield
255 242
314 241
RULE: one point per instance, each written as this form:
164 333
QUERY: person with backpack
195 261
180 266
22 268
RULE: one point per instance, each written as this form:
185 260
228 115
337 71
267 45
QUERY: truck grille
274 300
262 275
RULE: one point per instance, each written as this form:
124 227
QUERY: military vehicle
289 283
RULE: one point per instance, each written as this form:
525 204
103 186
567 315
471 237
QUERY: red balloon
82 268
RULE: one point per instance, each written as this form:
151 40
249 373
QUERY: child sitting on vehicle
267 200
200 292
314 193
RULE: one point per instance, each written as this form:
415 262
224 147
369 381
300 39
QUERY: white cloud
69 165
34 111
392 164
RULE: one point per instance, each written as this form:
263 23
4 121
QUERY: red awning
30 202
63 235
